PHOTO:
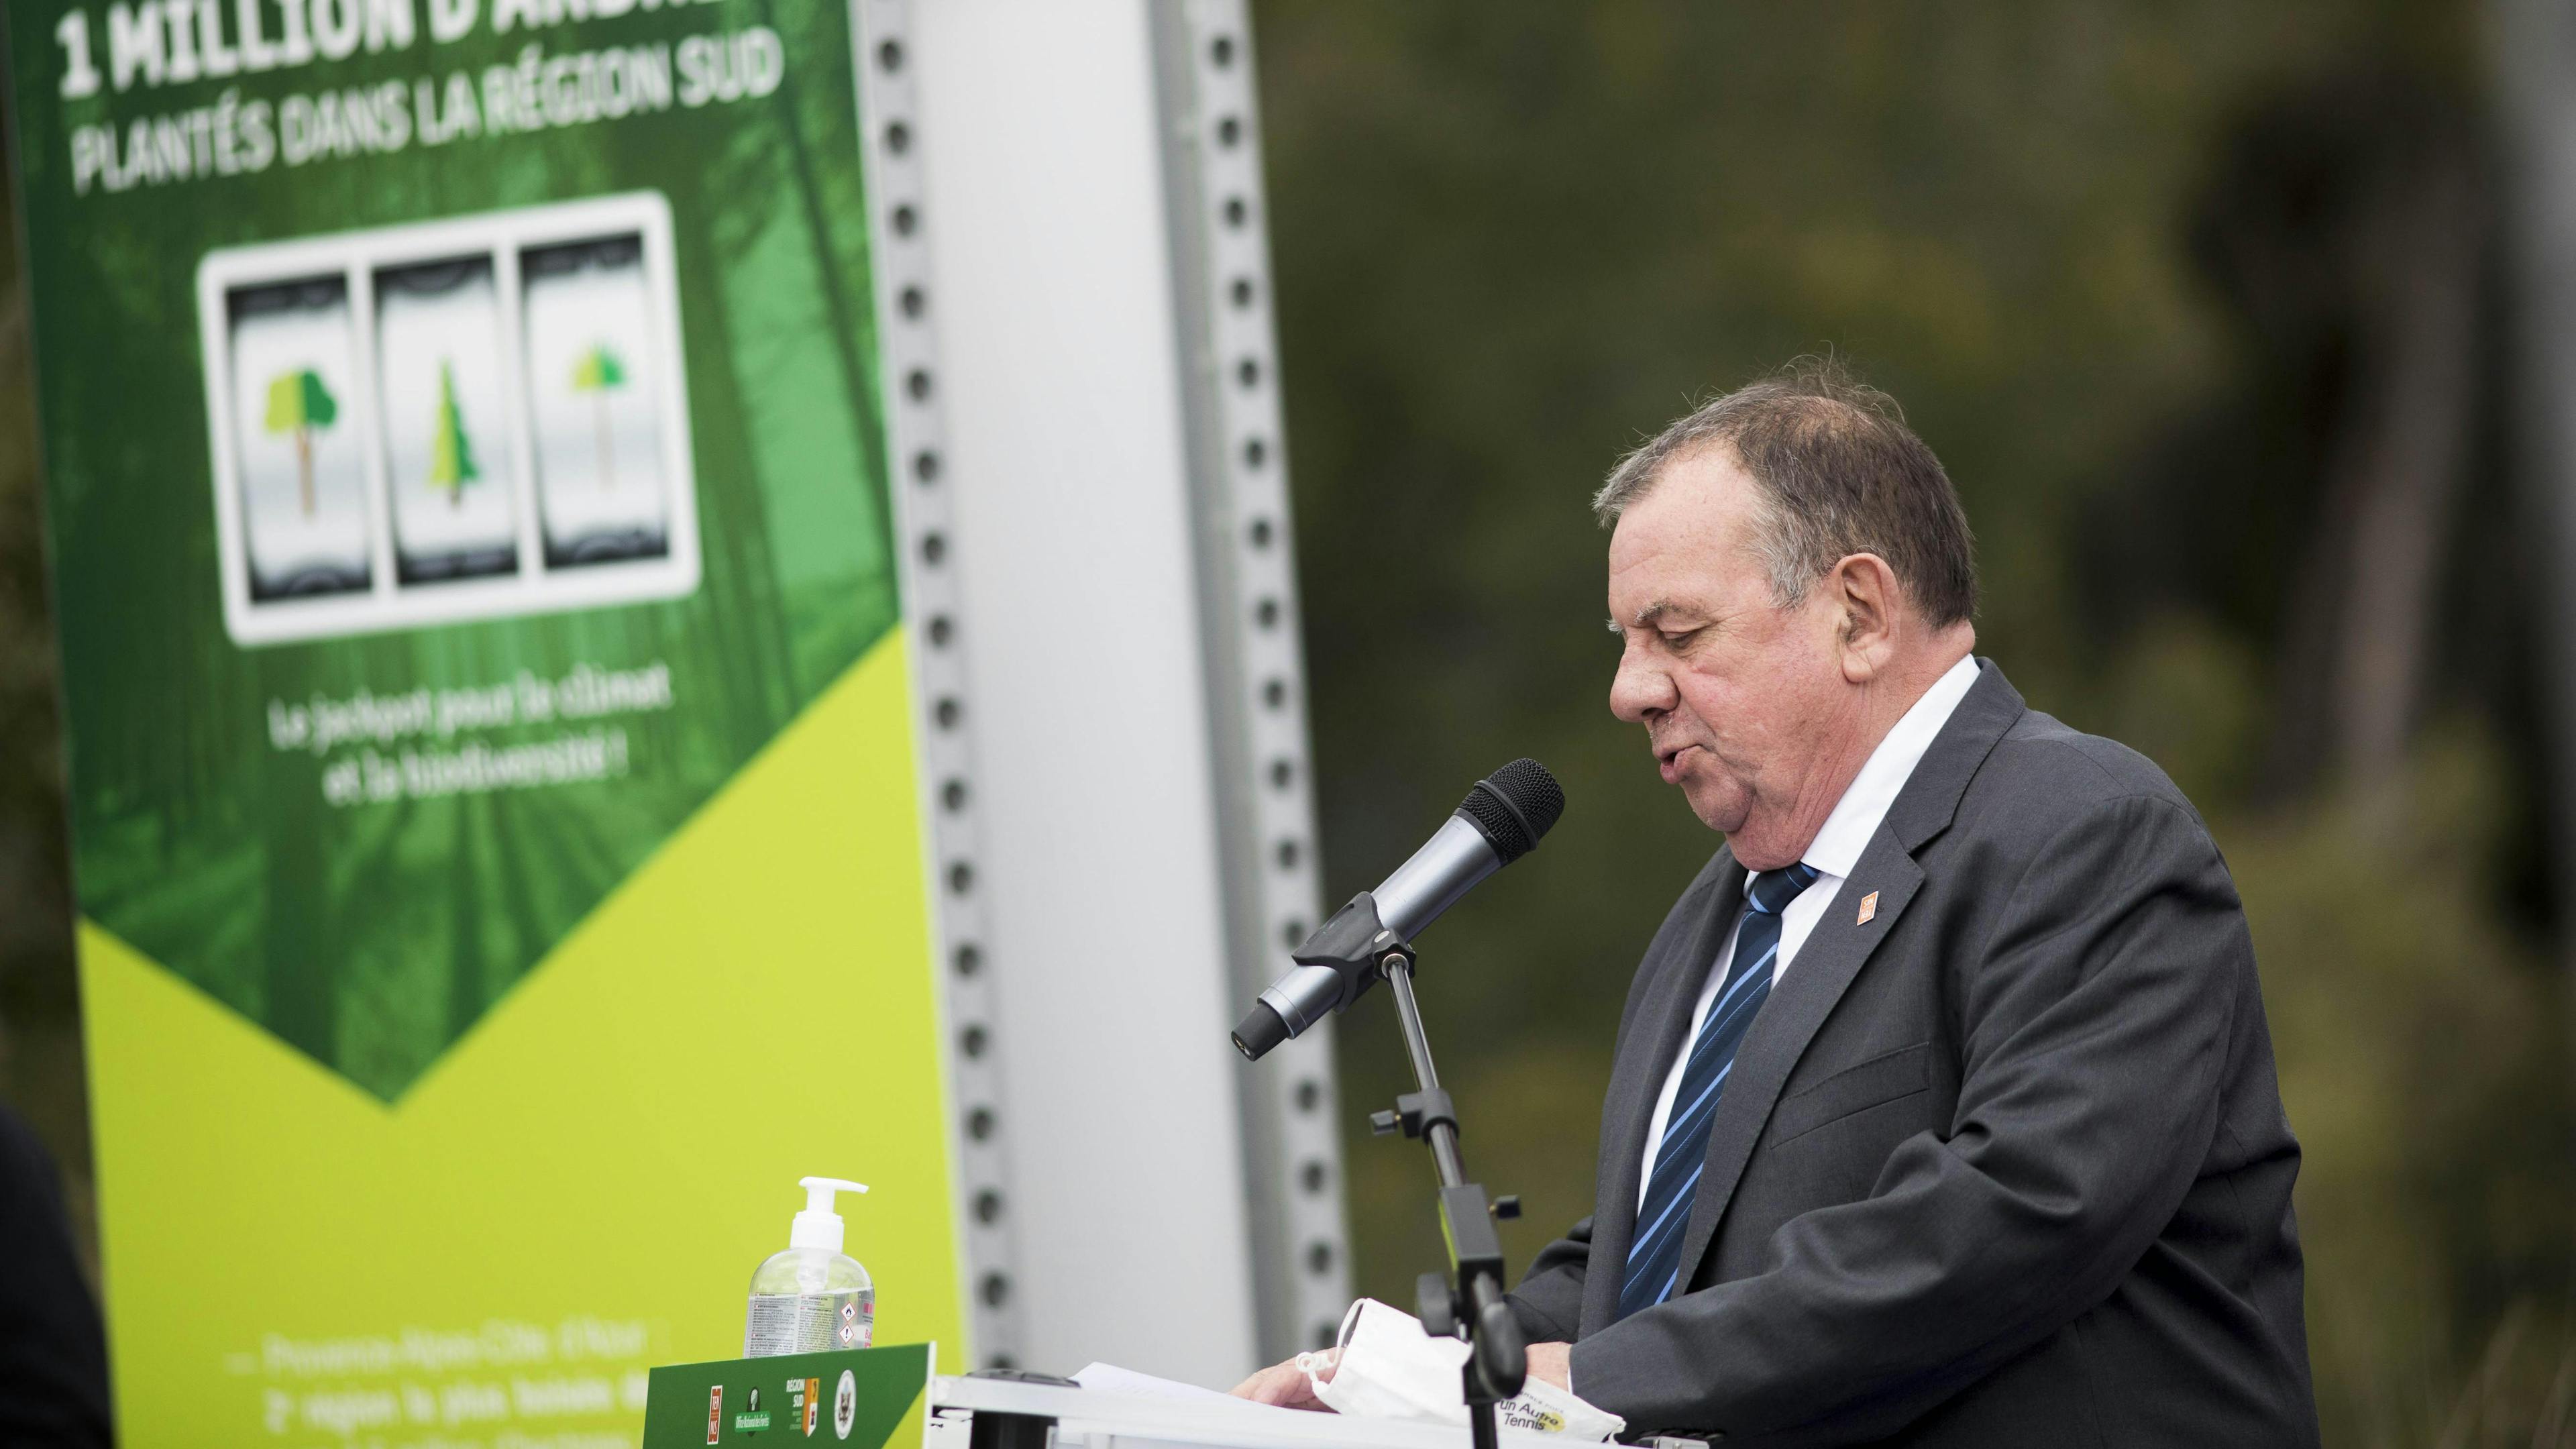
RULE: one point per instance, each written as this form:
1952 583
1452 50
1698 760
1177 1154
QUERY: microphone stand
1472 1294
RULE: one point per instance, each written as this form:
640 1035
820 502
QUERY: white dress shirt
1833 854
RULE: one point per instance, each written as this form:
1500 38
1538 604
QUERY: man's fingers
1273 1385
1283 1385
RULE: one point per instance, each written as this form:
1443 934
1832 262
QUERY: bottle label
809 1322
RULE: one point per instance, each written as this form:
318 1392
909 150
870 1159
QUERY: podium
887 1398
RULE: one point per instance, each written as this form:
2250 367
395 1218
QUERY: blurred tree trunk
2401 452
2392 278
2536 85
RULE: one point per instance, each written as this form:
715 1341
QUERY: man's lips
1668 762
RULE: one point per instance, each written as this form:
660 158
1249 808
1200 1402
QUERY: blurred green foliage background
2201 305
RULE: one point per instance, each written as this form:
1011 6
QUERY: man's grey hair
1839 473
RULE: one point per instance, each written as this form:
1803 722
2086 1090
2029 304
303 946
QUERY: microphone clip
1356 946
1335 966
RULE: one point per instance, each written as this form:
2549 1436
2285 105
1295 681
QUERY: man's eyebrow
1647 617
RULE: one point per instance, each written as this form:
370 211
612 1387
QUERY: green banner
866 1398
495 820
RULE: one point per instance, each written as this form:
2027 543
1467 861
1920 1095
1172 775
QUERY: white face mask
1390 1369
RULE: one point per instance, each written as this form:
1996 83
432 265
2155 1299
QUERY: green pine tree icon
597 373
298 403
451 452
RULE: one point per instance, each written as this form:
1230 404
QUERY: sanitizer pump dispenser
813 1296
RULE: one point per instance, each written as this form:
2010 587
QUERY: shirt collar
1855 818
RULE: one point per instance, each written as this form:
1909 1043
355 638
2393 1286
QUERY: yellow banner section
582 1187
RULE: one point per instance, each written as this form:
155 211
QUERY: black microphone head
1514 806
1262 1029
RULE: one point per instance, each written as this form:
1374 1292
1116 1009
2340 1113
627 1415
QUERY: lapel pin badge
1868 908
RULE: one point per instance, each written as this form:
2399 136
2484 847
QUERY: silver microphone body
1448 865
1500 821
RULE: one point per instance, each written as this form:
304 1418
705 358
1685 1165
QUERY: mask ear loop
1311 1363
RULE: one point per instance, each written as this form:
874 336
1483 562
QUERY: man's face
1740 698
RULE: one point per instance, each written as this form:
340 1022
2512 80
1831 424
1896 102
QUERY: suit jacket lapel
1835 951
1637 1078
1833 954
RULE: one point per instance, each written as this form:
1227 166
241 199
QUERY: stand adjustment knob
1383 1124
1433 1304
1508 1206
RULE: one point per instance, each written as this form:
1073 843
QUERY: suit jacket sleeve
2094 1026
1549 1302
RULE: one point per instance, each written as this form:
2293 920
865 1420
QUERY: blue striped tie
1655 1257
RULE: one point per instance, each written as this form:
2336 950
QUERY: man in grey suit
1943 1108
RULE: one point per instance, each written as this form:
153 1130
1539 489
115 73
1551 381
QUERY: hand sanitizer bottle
813 1296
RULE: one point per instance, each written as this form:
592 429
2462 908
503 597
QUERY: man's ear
1865 591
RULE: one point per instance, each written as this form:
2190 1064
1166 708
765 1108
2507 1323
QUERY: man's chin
1728 812
1764 844
1720 809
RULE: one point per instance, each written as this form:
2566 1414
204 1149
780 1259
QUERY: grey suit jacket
2003 1164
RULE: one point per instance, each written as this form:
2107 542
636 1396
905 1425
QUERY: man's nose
1639 688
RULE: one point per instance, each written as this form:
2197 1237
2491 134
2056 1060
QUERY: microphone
1500 821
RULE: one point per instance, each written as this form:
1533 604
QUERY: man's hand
1285 1384
1550 1361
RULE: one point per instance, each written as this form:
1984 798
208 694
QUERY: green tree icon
298 403
597 373
451 452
